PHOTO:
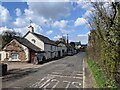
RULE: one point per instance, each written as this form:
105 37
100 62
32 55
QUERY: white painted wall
60 48
50 49
38 42
3 55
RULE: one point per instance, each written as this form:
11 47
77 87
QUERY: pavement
68 72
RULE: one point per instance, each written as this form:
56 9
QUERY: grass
101 80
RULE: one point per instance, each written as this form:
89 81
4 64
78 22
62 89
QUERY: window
14 56
33 40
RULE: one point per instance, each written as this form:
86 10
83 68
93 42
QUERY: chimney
31 29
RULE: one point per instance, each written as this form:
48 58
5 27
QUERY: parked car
39 58
69 53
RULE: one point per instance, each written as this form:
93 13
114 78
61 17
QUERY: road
66 73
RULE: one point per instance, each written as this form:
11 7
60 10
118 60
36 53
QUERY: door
32 57
59 54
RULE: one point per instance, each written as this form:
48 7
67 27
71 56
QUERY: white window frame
13 58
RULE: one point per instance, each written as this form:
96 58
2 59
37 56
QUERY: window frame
14 56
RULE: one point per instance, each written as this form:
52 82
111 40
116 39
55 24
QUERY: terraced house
31 47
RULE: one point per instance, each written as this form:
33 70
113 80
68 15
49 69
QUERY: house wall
47 49
38 42
60 48
3 55
51 51
15 47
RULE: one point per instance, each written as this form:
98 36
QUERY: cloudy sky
52 19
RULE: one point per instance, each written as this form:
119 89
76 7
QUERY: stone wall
15 47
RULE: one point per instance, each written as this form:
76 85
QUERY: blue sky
52 19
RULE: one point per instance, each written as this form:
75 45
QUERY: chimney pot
31 29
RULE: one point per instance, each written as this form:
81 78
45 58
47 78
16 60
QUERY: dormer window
33 40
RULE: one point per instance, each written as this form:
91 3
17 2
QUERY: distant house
83 45
77 45
62 49
26 48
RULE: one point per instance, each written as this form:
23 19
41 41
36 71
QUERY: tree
7 36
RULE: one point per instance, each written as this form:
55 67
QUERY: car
69 53
39 58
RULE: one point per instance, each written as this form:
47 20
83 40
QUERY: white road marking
56 83
46 86
44 83
83 75
73 83
56 73
38 83
65 76
67 84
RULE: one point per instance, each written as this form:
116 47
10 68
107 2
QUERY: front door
32 57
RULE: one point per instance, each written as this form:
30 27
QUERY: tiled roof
28 44
44 39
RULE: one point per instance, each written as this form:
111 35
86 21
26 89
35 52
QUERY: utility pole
67 40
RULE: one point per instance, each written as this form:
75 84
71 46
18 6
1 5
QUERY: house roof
45 39
77 43
28 44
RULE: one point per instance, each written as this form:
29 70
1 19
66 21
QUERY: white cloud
21 22
60 24
50 10
22 30
37 28
4 14
82 35
87 14
57 37
24 20
79 21
83 38
64 31
18 12
49 32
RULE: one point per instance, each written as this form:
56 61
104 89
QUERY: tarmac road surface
63 73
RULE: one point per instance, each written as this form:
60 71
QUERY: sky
51 19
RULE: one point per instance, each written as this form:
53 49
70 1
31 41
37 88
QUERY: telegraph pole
67 40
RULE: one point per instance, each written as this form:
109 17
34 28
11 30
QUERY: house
62 49
77 45
25 49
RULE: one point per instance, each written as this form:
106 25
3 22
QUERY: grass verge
101 80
